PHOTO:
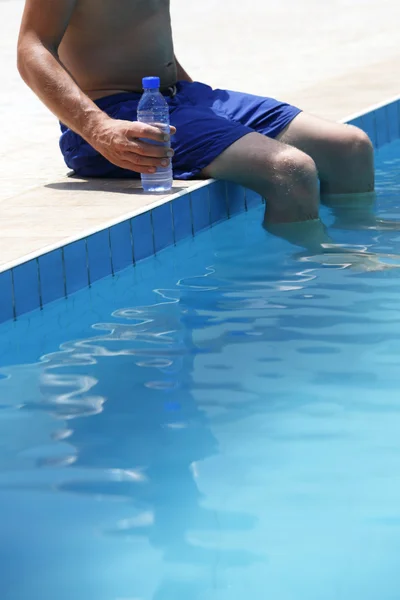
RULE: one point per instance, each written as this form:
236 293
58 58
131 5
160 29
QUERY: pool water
220 422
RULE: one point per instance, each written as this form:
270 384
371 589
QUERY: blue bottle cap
151 83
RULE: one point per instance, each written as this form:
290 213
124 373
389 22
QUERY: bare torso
110 45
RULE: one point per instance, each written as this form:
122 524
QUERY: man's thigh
315 136
250 161
341 152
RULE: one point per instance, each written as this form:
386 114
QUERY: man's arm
181 73
43 26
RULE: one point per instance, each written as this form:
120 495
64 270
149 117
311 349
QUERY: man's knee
356 146
295 170
294 193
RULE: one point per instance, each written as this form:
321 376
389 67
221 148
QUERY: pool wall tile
357 122
76 268
99 255
143 237
6 297
200 203
382 128
163 228
252 199
369 126
235 196
182 217
218 203
52 276
382 124
393 118
121 246
26 287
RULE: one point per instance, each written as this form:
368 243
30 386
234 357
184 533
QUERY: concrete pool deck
330 60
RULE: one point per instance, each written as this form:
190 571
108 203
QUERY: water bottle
153 110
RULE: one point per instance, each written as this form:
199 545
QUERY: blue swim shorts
207 122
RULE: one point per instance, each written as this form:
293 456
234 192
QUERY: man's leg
284 175
345 160
343 154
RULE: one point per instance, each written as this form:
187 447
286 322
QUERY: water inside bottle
162 179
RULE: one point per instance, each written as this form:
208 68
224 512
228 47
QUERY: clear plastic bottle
153 109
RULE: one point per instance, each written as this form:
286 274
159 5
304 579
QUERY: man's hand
121 142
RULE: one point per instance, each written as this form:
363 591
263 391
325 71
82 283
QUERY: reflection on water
233 432
126 425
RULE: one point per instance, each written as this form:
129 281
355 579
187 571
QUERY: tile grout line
152 232
387 124
173 221
87 262
227 200
39 280
209 225
209 205
111 252
245 199
64 269
14 306
375 124
191 213
132 242
398 117
173 224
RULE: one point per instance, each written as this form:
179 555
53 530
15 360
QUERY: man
85 59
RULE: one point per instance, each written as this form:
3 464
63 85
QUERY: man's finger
127 164
154 132
140 147
146 161
149 132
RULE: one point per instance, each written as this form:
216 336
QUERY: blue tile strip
121 246
66 270
76 268
235 197
51 276
382 130
218 201
182 217
99 255
163 228
200 202
393 119
368 125
6 297
142 234
252 199
26 287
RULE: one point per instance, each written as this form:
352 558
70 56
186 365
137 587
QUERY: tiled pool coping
57 272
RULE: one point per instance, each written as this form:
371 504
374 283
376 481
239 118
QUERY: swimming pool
218 422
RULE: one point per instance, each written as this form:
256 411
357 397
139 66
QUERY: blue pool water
220 422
